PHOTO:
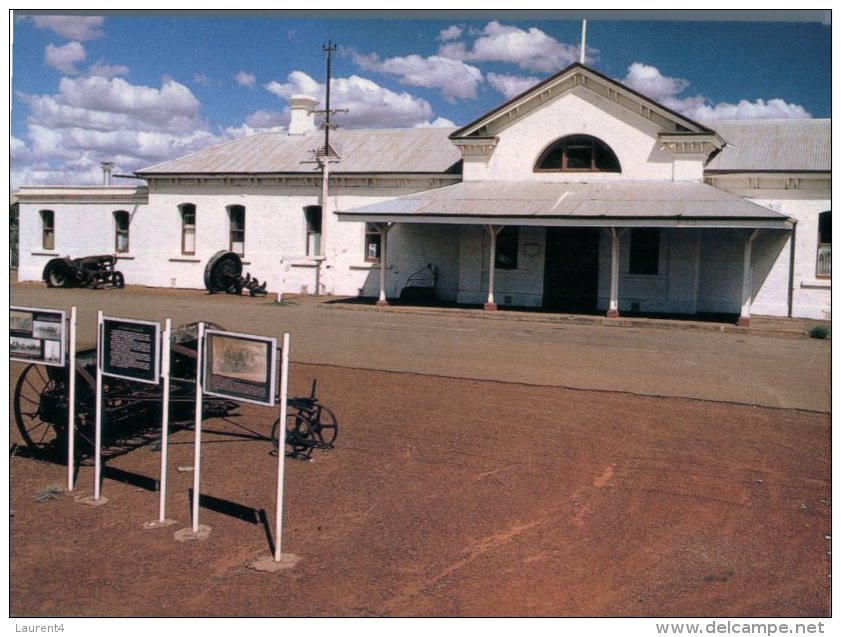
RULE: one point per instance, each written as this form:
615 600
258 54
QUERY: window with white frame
236 216
373 242
824 265
48 230
188 228
312 215
121 223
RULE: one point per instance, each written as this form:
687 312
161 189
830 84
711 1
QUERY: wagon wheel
57 274
40 410
223 269
324 425
299 435
118 280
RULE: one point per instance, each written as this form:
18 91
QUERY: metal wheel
324 425
40 410
119 280
223 269
298 435
57 274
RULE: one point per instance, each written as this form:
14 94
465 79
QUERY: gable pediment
678 133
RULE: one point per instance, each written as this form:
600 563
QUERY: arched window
578 153
824 266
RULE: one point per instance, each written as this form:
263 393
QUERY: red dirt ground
448 497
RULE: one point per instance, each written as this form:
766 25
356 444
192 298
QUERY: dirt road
456 496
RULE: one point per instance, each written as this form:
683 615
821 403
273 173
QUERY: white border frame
100 359
270 340
62 338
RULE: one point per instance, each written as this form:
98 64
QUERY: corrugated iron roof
686 200
410 150
779 145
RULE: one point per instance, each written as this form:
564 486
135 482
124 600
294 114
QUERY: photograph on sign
240 366
131 349
37 335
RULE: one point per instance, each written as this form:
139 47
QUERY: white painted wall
633 139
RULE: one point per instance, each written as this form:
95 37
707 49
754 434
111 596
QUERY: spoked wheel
324 426
299 436
40 411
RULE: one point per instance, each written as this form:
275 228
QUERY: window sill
507 270
184 259
367 266
44 254
817 284
125 257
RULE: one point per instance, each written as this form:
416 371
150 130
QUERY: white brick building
578 195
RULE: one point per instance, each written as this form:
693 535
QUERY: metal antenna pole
328 49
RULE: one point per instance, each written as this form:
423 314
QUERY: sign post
197 450
281 443
71 400
129 349
165 418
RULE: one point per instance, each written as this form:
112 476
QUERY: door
571 275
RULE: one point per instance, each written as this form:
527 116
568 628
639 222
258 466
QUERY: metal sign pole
98 437
197 450
164 416
71 400
281 441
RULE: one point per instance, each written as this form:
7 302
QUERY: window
188 228
48 230
236 215
313 217
578 153
507 248
824 270
373 242
121 221
645 251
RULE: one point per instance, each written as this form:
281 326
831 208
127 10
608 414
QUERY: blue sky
139 88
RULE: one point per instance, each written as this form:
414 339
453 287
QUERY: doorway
571 270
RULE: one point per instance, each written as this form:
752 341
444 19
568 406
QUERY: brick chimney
302 120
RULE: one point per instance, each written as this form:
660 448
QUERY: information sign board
131 349
240 366
37 335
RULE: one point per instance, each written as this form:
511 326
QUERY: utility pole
323 156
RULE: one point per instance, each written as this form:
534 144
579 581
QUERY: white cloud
245 79
454 78
511 85
758 109
666 90
368 103
450 33
267 120
71 27
64 58
107 70
438 122
533 49
649 81
94 118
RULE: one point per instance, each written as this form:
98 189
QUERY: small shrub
47 493
819 331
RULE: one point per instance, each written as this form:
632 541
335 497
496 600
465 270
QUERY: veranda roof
573 204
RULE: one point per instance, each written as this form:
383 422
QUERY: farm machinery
131 411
